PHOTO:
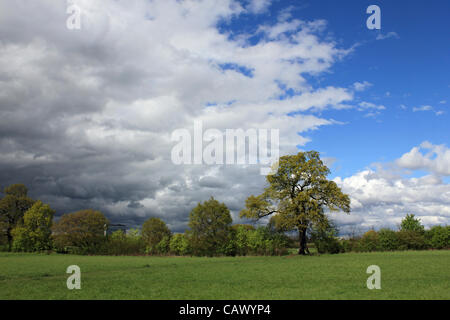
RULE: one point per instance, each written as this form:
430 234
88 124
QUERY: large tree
297 196
154 230
12 209
210 227
34 234
83 229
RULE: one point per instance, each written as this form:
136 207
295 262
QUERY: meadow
404 275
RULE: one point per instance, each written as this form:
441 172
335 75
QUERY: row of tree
30 228
296 199
411 235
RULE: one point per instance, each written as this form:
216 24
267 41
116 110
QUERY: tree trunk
303 250
302 241
9 235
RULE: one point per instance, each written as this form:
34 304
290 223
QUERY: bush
369 242
411 240
388 240
120 243
438 237
179 245
163 247
324 238
154 230
82 232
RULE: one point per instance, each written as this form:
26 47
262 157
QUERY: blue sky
409 69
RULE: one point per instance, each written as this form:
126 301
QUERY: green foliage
82 231
241 239
410 223
411 240
154 230
210 227
35 233
260 241
12 209
369 242
120 243
298 193
325 238
163 247
388 240
438 237
179 245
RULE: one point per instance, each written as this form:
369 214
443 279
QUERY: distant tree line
296 199
28 226
411 235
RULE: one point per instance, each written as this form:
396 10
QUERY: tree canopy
154 230
297 196
12 209
84 229
210 226
35 233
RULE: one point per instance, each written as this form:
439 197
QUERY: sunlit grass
404 275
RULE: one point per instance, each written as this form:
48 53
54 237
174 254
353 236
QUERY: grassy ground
404 275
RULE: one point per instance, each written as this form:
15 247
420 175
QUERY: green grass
404 275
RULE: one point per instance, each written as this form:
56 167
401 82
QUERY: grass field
404 275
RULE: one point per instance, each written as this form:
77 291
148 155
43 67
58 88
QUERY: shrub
324 238
163 247
120 243
388 240
179 245
438 237
82 232
154 230
369 241
411 240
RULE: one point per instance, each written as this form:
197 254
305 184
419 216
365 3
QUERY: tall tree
411 223
297 196
13 207
154 230
210 226
34 234
83 229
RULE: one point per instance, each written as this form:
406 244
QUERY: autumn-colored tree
35 233
12 209
154 230
83 229
297 196
210 226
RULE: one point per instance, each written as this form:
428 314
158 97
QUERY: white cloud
387 35
433 158
368 105
423 108
105 99
258 6
361 86
382 196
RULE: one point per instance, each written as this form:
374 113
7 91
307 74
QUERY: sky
87 114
